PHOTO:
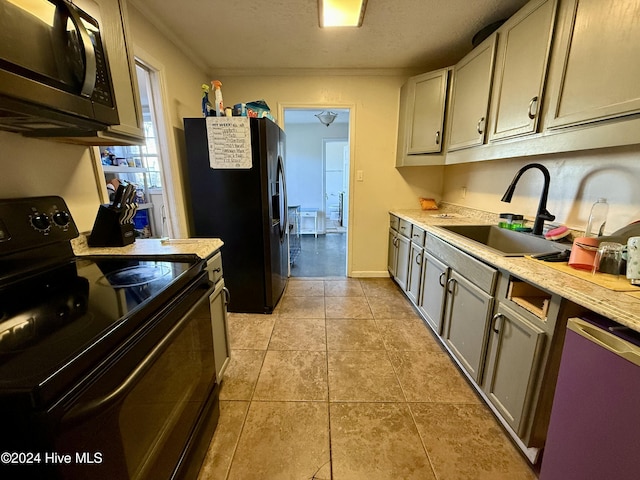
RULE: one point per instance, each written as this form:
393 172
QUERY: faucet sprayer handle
545 215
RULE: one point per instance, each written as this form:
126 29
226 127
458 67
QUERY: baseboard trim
369 274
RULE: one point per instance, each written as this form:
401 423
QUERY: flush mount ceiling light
326 118
341 13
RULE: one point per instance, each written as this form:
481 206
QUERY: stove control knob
61 218
40 221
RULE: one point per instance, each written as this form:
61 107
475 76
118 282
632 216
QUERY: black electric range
67 320
57 322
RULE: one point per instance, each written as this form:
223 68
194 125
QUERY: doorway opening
317 164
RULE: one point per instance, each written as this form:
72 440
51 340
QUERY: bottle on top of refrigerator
597 218
217 93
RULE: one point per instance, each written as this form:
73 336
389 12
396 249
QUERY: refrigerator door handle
284 220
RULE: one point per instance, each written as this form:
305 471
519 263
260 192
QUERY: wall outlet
359 176
463 192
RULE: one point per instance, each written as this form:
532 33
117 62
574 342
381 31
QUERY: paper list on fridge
229 140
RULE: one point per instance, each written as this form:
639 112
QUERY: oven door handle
83 410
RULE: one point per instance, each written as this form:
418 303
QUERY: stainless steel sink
507 243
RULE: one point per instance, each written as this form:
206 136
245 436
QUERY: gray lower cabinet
398 255
514 356
466 320
218 307
414 275
402 266
392 255
398 260
434 281
505 333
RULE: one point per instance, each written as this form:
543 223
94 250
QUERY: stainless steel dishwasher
594 431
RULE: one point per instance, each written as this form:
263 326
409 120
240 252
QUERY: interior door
334 183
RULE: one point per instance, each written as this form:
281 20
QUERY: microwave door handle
90 69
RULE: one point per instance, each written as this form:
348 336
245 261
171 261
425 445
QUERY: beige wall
374 103
41 167
180 81
33 167
577 180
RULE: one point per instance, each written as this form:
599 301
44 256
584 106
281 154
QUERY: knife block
108 231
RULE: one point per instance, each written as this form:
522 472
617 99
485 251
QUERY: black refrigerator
236 191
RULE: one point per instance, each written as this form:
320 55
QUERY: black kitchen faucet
542 214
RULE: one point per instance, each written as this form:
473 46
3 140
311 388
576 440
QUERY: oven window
159 413
141 411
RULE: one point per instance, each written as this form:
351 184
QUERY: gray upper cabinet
597 63
521 66
472 79
427 95
565 79
421 122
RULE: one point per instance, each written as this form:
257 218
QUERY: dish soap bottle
217 93
597 218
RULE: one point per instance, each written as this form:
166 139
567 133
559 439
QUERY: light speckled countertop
622 307
202 247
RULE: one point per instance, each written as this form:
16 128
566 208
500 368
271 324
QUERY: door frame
282 106
157 100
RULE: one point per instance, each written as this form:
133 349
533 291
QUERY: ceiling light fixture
341 13
326 118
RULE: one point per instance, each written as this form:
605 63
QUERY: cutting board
621 284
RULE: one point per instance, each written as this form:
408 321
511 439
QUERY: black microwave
54 71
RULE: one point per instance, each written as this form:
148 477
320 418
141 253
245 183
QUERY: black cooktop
69 313
62 315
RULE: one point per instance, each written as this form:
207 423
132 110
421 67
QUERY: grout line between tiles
246 415
388 352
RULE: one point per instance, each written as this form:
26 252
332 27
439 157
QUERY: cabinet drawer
405 228
214 267
418 235
480 274
394 222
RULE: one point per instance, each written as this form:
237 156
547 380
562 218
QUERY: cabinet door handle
419 259
450 282
227 296
534 101
438 137
441 279
494 322
481 126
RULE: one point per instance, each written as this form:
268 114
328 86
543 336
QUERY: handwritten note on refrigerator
229 140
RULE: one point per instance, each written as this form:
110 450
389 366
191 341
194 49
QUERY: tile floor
345 382
321 256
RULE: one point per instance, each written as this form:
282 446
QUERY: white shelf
123 169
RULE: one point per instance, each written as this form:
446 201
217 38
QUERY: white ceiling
303 115
230 37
